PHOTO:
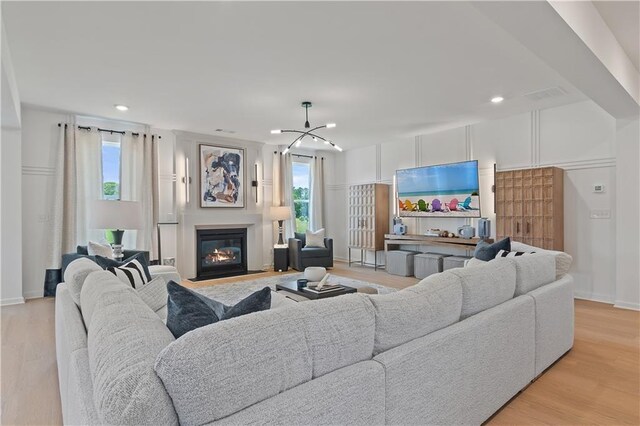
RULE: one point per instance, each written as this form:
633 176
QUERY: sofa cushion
532 271
260 355
474 262
103 281
154 293
75 275
485 286
309 252
124 337
188 310
416 311
563 260
485 251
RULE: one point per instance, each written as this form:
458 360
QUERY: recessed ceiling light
331 125
121 107
497 99
276 132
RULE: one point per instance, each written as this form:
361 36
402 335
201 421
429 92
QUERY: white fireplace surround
187 265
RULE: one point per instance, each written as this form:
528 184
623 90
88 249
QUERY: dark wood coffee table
292 287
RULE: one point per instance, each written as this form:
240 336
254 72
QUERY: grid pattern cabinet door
530 206
368 215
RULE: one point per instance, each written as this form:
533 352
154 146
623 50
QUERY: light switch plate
600 214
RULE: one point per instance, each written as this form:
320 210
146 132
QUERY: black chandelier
307 132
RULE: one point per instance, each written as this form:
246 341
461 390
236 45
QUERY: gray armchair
301 257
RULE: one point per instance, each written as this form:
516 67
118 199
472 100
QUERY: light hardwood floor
597 382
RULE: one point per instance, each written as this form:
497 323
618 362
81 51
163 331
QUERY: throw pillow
505 253
154 293
315 239
112 263
486 251
97 249
188 310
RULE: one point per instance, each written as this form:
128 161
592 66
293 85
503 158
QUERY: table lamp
116 216
280 213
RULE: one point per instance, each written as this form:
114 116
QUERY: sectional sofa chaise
450 350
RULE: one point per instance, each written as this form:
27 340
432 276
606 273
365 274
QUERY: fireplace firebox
221 252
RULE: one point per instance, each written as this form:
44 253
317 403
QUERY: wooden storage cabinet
530 206
368 216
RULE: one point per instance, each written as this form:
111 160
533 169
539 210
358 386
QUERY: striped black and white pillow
131 273
505 253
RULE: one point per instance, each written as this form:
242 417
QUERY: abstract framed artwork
222 176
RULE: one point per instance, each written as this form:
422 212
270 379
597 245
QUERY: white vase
314 273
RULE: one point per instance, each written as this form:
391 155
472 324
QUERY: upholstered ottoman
426 264
451 262
400 262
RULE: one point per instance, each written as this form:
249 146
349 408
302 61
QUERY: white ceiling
382 71
623 19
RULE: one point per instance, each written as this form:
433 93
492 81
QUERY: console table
392 241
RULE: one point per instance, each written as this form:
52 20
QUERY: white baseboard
33 294
594 297
11 301
626 305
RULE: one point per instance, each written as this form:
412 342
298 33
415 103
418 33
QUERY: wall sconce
254 182
186 179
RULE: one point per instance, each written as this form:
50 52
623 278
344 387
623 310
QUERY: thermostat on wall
598 188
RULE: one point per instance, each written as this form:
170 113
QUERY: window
110 169
301 189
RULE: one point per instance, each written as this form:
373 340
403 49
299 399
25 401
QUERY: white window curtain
139 182
78 183
283 190
316 202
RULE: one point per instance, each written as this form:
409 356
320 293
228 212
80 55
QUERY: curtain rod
302 155
106 130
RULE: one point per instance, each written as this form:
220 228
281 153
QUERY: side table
280 258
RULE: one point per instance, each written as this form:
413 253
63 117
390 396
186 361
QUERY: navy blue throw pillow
188 310
485 251
105 262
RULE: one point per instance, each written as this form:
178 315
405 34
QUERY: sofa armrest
169 273
70 257
295 253
328 243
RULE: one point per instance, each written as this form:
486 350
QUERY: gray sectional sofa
450 350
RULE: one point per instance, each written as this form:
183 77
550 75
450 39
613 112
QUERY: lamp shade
280 212
108 214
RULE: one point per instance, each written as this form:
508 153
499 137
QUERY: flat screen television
445 190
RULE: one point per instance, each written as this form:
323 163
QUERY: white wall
39 150
11 218
191 215
10 181
628 215
580 138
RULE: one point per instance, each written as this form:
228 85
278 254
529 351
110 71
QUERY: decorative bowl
315 273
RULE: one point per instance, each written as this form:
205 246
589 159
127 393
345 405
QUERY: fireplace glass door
221 252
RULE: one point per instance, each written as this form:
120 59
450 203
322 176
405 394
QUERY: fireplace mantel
224 226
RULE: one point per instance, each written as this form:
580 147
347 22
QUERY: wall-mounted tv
445 190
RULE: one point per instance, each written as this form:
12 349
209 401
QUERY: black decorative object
307 132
